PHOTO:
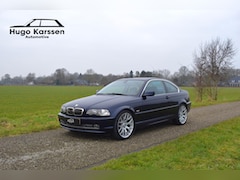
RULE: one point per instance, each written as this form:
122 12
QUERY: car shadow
153 127
89 136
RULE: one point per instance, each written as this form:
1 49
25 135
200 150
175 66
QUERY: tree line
183 77
62 76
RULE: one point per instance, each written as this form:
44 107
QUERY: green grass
225 95
213 148
26 109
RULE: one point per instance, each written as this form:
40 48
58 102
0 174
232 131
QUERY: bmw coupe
125 104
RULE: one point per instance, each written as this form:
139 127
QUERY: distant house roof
234 81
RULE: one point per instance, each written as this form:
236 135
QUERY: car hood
100 101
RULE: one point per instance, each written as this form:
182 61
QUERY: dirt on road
63 150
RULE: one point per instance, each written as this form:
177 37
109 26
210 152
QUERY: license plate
74 121
70 121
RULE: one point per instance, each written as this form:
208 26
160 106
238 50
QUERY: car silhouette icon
41 23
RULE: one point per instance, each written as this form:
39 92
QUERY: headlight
98 112
63 109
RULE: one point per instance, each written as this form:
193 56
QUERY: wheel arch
124 108
185 102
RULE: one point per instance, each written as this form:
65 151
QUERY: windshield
123 87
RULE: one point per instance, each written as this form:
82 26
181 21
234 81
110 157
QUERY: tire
182 115
124 125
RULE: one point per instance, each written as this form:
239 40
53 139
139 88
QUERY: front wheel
124 125
182 115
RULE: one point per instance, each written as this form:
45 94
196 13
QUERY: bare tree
61 77
30 78
211 63
6 79
92 78
164 73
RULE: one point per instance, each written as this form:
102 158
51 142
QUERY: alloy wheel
124 125
182 114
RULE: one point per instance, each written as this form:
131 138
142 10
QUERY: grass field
27 109
225 95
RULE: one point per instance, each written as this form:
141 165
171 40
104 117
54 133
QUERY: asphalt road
63 150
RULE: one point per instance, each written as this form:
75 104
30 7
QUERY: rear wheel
124 125
182 115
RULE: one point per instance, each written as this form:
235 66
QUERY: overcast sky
115 36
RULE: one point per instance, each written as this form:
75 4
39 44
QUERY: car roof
44 19
143 78
147 79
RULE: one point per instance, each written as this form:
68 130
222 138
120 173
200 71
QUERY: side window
156 86
45 23
35 23
170 87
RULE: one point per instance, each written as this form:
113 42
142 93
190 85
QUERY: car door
172 94
153 108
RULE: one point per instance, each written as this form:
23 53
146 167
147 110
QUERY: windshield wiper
117 94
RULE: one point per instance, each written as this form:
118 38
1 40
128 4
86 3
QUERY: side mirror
148 93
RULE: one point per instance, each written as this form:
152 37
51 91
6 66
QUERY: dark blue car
125 104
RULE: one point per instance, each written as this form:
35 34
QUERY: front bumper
86 124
